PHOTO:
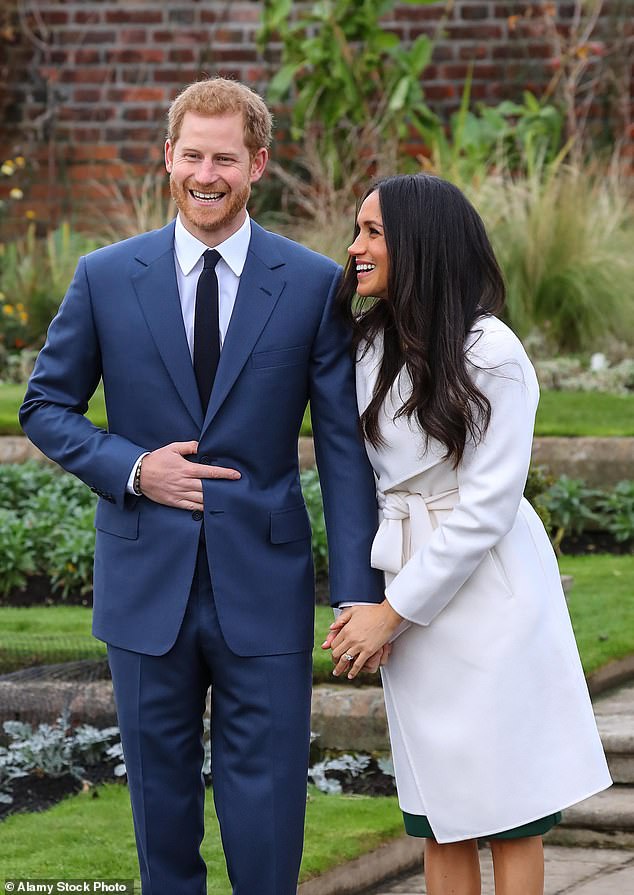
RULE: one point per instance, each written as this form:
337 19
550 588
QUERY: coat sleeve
66 374
491 480
346 477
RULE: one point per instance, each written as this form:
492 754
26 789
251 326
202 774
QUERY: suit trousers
260 732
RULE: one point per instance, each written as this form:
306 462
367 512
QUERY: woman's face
369 250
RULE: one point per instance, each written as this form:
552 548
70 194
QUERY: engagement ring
348 657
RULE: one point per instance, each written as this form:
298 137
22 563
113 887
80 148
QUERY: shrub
617 511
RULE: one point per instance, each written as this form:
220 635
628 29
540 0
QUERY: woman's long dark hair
442 276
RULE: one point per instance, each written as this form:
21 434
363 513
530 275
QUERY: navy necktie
207 327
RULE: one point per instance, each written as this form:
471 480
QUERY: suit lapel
261 285
157 290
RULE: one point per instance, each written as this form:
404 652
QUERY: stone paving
569 871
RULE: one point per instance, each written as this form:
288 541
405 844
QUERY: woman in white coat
491 726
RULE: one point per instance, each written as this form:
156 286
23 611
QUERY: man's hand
167 478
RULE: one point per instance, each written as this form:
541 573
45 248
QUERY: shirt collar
233 250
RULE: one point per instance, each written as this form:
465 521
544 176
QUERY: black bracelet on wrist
136 482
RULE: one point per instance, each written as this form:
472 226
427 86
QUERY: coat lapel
157 290
261 285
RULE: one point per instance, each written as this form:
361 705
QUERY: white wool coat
490 721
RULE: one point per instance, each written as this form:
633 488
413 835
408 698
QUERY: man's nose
207 171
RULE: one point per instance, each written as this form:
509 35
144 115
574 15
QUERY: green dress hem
418 825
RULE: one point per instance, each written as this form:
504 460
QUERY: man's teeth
362 268
207 197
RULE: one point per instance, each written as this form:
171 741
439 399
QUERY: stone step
605 819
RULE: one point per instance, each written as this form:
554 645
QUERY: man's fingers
184 448
214 472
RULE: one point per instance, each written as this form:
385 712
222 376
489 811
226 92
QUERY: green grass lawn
600 603
560 413
601 607
585 413
11 397
90 835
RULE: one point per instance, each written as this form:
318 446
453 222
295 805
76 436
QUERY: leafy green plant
537 483
50 750
512 136
353 91
617 511
35 273
17 554
570 504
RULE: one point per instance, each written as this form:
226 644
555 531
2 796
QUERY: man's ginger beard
211 218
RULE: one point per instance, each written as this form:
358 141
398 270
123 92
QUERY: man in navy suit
203 571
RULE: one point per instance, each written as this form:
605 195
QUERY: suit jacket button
197 515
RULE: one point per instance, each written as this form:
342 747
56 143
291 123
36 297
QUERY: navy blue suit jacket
121 322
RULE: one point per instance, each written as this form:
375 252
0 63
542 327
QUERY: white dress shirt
188 261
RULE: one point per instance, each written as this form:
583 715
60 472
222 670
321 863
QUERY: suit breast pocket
112 520
280 357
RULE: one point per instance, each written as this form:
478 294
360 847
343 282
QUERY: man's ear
258 164
169 156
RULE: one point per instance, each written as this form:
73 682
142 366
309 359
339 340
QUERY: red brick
95 171
142 16
228 36
134 154
175 75
181 55
442 53
87 17
454 72
85 75
474 32
86 38
53 17
538 51
488 72
87 57
234 55
137 113
440 91
130 134
133 36
86 114
86 134
418 14
132 57
136 94
475 11
87 95
208 16
471 51
94 152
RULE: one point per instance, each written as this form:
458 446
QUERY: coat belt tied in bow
388 547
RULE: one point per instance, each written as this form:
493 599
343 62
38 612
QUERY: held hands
362 632
168 478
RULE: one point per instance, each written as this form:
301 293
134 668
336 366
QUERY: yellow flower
16 193
8 168
70 567
20 161
2 296
8 310
19 306
24 317
30 214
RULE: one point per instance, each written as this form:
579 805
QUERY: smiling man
210 335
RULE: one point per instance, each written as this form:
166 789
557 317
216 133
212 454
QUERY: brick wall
91 79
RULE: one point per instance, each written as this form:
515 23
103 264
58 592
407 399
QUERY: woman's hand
362 632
